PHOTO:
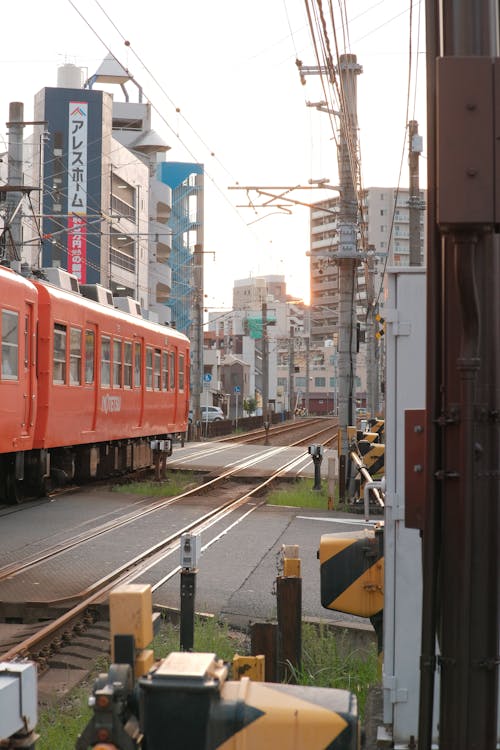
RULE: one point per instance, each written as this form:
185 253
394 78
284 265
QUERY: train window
26 341
164 372
157 370
181 372
60 335
149 367
137 365
75 356
127 365
89 356
10 345
172 371
117 363
106 361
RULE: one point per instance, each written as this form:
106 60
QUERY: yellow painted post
131 614
253 667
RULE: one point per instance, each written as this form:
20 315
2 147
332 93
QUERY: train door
28 354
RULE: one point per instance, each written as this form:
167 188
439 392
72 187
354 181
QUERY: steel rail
95 593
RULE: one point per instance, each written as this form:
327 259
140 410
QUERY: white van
209 414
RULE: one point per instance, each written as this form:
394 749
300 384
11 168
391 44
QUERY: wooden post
264 640
289 600
332 464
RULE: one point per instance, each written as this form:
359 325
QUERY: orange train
84 387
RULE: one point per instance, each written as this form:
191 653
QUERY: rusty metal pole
464 379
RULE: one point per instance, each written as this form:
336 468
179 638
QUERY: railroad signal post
316 453
190 553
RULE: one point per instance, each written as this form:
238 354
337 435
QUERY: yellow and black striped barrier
290 717
373 455
352 572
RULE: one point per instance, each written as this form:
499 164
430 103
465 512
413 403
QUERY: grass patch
326 662
209 636
300 495
175 483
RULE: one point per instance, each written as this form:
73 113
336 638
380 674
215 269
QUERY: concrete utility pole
197 339
291 370
415 149
15 176
347 255
265 366
307 333
372 370
197 311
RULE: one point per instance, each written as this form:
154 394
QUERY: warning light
381 331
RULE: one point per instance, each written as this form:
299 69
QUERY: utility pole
197 310
197 339
265 366
347 255
372 370
15 175
415 149
307 332
291 371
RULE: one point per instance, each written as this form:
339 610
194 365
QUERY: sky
226 92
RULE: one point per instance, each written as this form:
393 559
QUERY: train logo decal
111 404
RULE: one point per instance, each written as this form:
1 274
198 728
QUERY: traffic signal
380 333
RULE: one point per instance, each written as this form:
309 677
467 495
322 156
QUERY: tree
249 405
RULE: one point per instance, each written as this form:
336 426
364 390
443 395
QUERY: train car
18 382
108 382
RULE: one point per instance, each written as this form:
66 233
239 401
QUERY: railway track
314 428
81 607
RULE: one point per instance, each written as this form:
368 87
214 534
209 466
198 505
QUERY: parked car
208 414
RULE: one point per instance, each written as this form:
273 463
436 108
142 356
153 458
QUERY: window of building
75 356
300 382
106 361
319 382
117 363
89 356
127 364
149 367
60 335
10 345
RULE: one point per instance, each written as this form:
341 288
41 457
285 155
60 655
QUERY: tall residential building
383 230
